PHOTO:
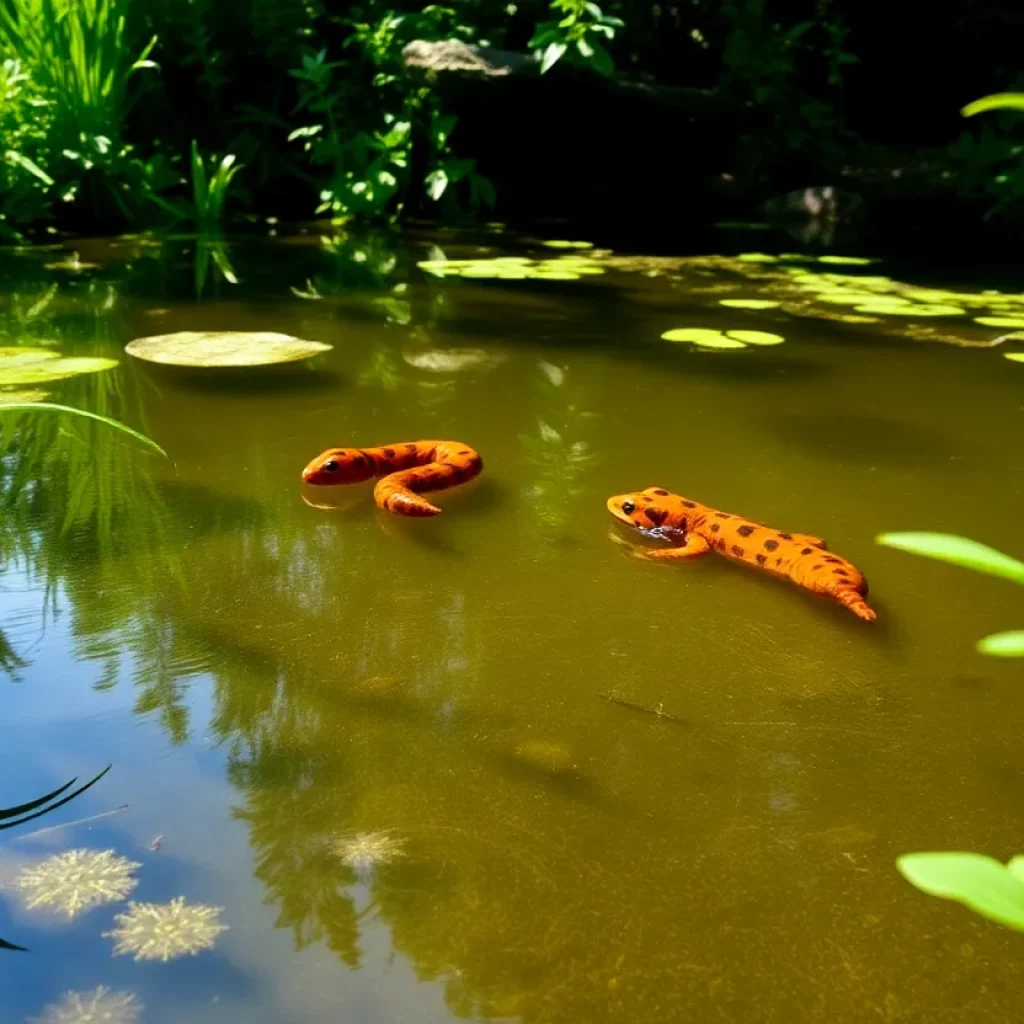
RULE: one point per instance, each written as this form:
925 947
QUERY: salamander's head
650 509
339 466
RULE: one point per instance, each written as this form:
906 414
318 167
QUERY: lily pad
559 244
757 257
889 308
703 337
853 261
224 348
8 397
749 303
23 367
1000 321
1017 357
756 337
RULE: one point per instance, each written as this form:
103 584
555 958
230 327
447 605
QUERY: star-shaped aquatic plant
97 1006
77 880
163 931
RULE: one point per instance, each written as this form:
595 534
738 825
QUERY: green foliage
991 889
378 134
578 33
970 554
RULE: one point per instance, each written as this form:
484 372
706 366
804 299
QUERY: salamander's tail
856 603
400 501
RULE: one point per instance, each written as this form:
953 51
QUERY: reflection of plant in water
99 1006
164 931
212 260
77 880
365 851
561 455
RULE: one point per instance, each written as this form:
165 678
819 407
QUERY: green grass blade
996 101
947 547
52 407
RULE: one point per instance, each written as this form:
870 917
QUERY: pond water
413 762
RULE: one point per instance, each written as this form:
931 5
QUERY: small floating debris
224 348
365 851
658 710
72 264
453 360
78 880
100 1005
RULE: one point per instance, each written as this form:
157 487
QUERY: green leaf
995 101
979 882
51 407
947 547
552 54
437 182
28 165
1003 645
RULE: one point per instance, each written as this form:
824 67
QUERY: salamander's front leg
693 547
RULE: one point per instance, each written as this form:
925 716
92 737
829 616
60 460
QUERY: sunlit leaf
1003 645
703 337
224 348
1000 321
116 424
756 337
947 547
995 101
749 303
1017 357
977 881
553 52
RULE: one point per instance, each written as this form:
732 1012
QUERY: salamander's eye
330 466
627 507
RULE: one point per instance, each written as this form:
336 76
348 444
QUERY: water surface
270 678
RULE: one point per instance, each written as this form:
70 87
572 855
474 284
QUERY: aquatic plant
577 33
224 348
708 338
163 931
33 406
514 268
989 888
100 1005
366 851
970 554
77 880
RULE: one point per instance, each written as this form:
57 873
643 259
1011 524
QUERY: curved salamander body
696 529
405 470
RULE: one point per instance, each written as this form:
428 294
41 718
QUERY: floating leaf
558 244
841 298
749 303
756 337
44 366
224 348
703 337
937 310
1003 645
947 547
853 261
894 308
1017 357
1000 321
757 257
977 881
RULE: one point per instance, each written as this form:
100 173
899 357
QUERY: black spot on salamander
690 504
832 559
786 536
770 545
660 492
646 499
745 531
389 453
806 551
465 451
815 568
715 527
761 559
656 515
738 551
778 561
722 515
840 572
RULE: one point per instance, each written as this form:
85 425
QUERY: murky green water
274 681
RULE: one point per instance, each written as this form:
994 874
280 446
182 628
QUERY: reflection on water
483 766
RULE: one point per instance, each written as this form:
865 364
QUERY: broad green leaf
947 547
437 182
1003 645
223 348
977 881
995 101
553 53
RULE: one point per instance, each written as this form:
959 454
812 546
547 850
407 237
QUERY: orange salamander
695 529
405 470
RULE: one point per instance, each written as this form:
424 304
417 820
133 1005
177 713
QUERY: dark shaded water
274 681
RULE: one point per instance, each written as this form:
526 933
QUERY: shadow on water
862 438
